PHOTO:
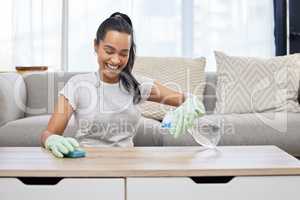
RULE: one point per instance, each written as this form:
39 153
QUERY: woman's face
113 54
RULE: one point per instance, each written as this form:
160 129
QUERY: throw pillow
180 74
249 84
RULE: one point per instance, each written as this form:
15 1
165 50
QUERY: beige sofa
37 94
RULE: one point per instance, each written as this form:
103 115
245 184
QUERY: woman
105 103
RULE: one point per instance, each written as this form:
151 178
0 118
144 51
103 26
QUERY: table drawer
246 188
66 188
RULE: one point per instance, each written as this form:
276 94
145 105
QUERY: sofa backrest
42 91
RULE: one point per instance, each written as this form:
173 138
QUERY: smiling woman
110 97
115 48
105 97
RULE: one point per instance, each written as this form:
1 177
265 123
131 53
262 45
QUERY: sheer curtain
6 36
84 18
237 27
157 26
32 33
191 28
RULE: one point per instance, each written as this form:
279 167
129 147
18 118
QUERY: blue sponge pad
77 153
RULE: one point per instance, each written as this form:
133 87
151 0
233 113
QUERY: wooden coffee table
230 172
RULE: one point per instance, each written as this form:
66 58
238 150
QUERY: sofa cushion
12 97
278 128
148 133
26 131
181 74
248 84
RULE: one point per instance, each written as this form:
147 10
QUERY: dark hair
121 22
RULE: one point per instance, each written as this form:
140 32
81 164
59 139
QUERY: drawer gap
211 179
40 180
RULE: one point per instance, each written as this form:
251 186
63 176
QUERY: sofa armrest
12 97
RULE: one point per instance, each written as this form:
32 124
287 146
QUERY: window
237 27
32 33
6 36
157 26
60 33
191 28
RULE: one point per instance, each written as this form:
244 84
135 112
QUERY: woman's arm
162 94
179 120
59 119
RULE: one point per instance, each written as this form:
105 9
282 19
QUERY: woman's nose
115 60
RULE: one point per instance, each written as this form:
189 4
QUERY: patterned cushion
181 74
247 84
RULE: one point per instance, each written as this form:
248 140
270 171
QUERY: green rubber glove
183 117
60 145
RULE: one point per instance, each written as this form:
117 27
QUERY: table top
150 162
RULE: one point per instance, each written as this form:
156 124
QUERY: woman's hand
60 145
51 138
178 121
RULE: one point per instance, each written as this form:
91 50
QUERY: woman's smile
112 68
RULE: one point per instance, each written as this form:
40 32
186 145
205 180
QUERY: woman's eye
124 55
109 52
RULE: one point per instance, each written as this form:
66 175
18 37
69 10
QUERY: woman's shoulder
144 80
83 77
